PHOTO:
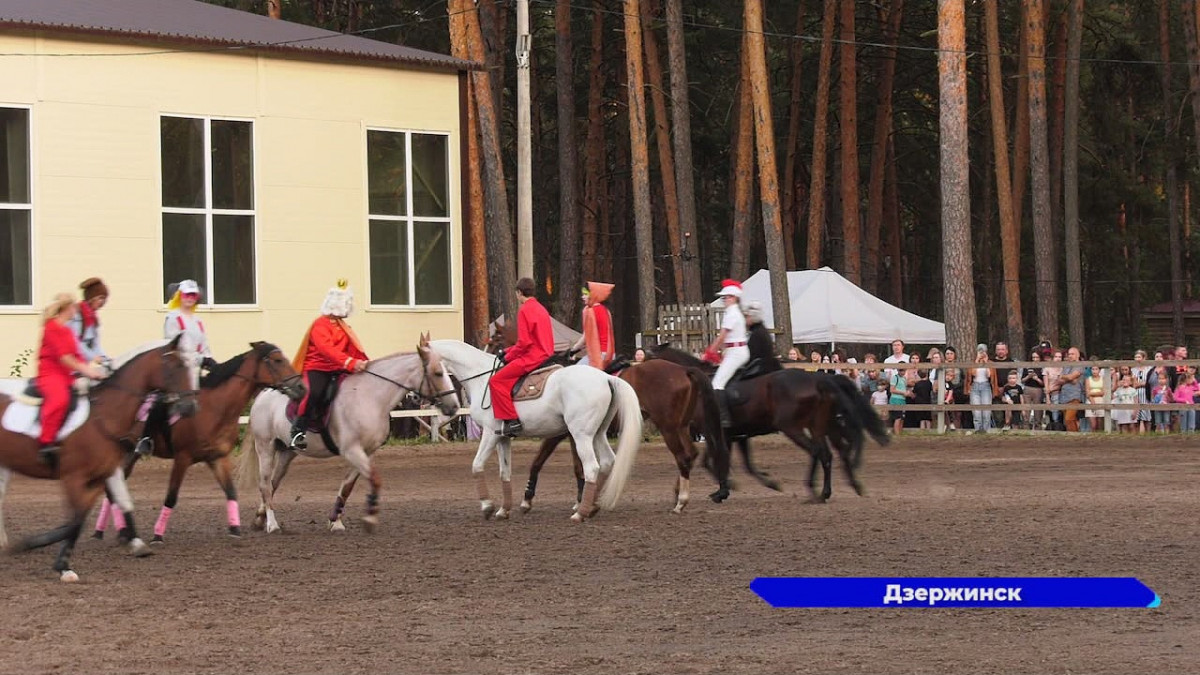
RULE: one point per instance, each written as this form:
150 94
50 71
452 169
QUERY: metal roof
201 24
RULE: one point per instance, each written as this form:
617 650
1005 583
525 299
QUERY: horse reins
428 398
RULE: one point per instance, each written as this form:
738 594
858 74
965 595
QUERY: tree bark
593 161
475 231
848 116
1071 174
891 200
1009 237
1020 163
501 264
275 9
1191 11
693 289
1057 68
792 144
959 282
743 176
1045 262
569 281
1172 179
816 192
768 175
640 165
662 138
883 130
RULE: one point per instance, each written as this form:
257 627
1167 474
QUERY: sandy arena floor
439 590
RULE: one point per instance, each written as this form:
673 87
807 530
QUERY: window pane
389 262
233 260
15 280
430 175
431 259
232 165
386 173
182 141
14 156
184 252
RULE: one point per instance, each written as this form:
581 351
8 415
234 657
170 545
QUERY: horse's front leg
506 495
361 463
180 465
223 472
544 452
122 506
339 502
486 445
107 510
273 467
762 476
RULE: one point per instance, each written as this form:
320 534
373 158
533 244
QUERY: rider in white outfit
732 340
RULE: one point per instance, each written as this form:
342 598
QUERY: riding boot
723 406
512 428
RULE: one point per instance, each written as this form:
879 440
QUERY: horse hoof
157 540
501 514
272 529
719 496
526 507
677 510
577 517
860 490
139 549
68 577
235 531
259 522
337 525
489 510
370 523
98 534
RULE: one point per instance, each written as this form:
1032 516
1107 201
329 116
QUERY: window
408 188
208 206
16 209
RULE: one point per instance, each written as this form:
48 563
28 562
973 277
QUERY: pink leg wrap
235 520
118 517
102 521
160 525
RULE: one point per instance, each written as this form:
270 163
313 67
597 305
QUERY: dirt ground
637 590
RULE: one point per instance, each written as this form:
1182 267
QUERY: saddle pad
531 386
21 418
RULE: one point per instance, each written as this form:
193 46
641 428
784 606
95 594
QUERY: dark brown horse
670 396
212 434
91 454
814 410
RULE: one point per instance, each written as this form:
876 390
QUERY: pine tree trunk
1191 11
848 124
1057 65
891 201
743 173
1172 182
883 130
816 192
475 233
275 9
640 165
501 263
693 289
1020 151
958 288
569 281
593 161
1009 237
662 139
792 144
1045 261
768 175
1071 174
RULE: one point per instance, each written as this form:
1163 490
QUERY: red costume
54 378
535 344
329 347
597 326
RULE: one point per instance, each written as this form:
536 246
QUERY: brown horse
814 410
211 435
92 453
670 396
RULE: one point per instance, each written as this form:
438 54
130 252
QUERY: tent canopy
827 307
563 335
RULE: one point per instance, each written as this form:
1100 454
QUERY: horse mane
127 359
224 371
668 353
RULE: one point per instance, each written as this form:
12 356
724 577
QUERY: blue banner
954 592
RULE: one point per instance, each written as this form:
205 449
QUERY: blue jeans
1162 420
981 394
1187 421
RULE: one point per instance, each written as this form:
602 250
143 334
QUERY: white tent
827 307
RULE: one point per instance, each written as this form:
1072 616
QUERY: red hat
730 287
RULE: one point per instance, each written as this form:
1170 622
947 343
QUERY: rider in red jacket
535 344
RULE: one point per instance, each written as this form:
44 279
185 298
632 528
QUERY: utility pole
524 148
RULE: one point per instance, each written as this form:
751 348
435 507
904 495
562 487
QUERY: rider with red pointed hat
597 339
732 338
535 344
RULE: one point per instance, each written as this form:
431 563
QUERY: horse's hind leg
269 484
107 510
588 456
4 475
486 445
848 466
762 476
679 442
544 452
122 503
361 463
223 472
339 502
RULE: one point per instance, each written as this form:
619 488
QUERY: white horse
359 424
578 400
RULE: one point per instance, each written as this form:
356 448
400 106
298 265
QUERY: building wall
96 191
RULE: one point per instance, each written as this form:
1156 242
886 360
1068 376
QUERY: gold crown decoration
343 283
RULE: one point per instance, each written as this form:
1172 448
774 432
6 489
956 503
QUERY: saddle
531 386
324 402
31 395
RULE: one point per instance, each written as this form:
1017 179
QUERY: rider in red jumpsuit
535 344
58 359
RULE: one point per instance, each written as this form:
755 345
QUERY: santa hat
93 287
730 287
339 301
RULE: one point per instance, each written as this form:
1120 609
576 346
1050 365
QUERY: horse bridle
425 379
278 385
170 398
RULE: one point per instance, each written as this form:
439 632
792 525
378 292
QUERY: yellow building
149 141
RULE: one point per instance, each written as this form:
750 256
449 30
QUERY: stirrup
48 455
512 428
299 441
144 447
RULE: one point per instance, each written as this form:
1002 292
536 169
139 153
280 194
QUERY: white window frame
27 206
208 211
410 219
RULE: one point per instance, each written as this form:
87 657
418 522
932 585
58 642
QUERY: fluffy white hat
339 301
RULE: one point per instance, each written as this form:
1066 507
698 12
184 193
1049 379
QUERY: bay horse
90 456
212 434
359 424
814 410
580 401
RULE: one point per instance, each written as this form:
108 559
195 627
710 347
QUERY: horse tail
247 468
857 417
867 416
714 434
630 412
